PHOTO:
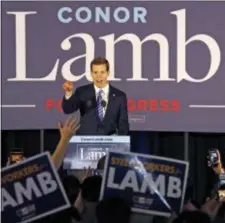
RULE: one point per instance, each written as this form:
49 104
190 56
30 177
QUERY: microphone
103 103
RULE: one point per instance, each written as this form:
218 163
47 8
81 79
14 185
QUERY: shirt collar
105 89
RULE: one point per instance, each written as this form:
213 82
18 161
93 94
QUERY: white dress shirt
105 95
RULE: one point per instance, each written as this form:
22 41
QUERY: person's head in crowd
101 163
91 188
192 217
72 187
65 216
15 157
113 210
190 195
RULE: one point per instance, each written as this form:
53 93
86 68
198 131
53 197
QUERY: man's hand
66 132
172 217
85 174
211 207
68 88
69 128
189 207
221 195
218 169
79 203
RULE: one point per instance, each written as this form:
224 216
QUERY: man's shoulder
84 87
117 91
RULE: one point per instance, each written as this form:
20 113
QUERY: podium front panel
85 151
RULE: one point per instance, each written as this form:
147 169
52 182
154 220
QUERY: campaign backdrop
149 184
167 56
31 190
85 151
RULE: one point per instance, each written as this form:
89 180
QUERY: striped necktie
99 105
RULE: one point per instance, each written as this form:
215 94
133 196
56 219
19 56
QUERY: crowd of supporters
83 192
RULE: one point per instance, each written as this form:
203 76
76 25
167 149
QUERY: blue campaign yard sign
149 184
31 190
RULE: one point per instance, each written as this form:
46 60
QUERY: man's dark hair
72 187
91 187
113 210
101 163
100 61
192 217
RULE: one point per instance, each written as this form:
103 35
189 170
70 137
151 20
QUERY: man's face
17 158
100 75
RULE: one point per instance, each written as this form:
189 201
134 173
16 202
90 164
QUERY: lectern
85 151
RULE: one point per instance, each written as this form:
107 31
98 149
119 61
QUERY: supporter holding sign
31 190
149 184
15 156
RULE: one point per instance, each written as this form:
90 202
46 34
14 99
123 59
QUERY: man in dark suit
103 108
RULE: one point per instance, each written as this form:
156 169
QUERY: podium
85 151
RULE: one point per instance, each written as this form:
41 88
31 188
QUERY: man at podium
103 108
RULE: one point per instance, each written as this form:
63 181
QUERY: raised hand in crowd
66 131
79 202
69 128
211 207
218 168
85 174
221 194
189 207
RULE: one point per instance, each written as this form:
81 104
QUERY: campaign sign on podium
85 151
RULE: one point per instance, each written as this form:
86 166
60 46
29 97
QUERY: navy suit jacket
115 120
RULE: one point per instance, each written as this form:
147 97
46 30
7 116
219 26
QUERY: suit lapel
91 93
92 98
